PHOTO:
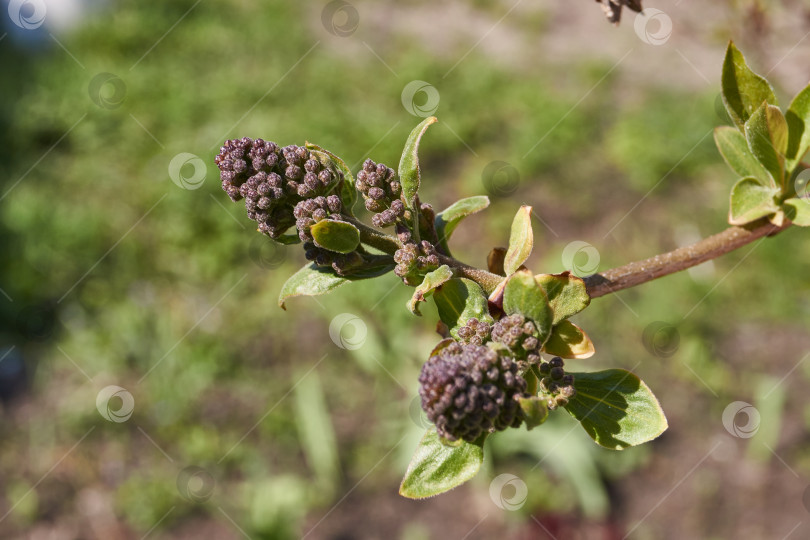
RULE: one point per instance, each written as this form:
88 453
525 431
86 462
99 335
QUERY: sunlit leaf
430 282
751 201
448 219
566 294
734 149
337 236
522 295
568 340
409 173
521 240
436 468
743 90
767 135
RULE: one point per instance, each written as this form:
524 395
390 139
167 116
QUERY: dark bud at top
556 385
468 390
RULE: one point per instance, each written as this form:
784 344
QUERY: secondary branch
682 258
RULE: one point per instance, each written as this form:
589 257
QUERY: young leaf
523 295
568 340
448 219
436 468
797 211
535 411
616 408
337 236
348 194
566 294
521 240
409 174
431 281
751 201
458 300
743 90
734 149
767 135
798 118
313 280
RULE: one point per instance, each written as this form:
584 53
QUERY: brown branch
682 258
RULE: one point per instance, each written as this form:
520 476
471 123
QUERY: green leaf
798 117
313 280
734 149
616 408
459 300
767 134
348 194
448 219
523 295
751 201
568 340
566 294
521 240
337 236
797 211
535 411
436 468
409 174
432 280
743 90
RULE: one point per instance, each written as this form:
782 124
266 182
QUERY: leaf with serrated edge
522 295
313 280
751 201
521 240
458 300
568 340
766 133
436 468
734 149
566 294
409 173
798 120
797 211
337 236
616 408
743 90
429 283
448 219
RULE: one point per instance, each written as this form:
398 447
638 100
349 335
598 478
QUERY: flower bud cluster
519 334
414 261
272 180
469 390
381 190
556 383
474 332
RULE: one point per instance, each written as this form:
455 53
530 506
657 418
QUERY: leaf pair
765 149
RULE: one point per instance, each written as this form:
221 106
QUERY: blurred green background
249 421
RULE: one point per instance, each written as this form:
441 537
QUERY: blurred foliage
117 273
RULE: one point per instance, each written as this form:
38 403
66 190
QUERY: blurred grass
153 287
